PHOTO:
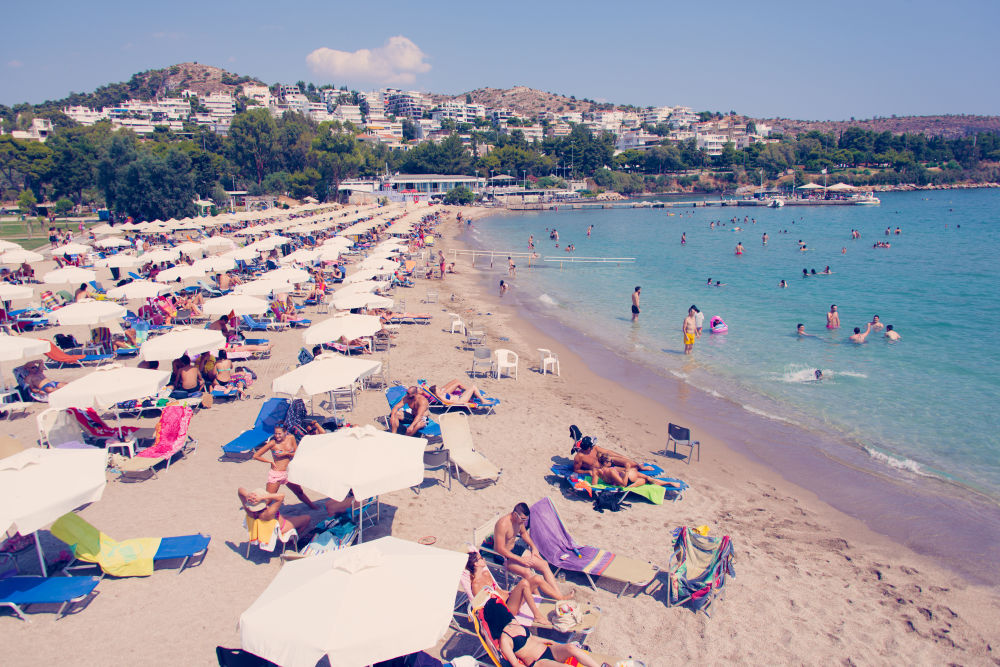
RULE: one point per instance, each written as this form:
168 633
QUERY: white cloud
398 61
14 64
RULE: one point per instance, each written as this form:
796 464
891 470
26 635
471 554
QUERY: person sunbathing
37 381
282 446
624 477
587 455
523 592
265 506
412 420
529 563
224 376
521 648
457 393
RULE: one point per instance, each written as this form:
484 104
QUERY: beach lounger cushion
19 592
272 413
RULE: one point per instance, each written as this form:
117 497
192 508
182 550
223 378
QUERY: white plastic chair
456 323
431 296
548 361
506 362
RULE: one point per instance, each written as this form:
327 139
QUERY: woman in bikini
224 376
458 393
282 446
480 578
260 504
520 648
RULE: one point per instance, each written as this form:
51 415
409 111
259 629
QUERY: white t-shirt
699 319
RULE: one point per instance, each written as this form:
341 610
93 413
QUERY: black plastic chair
679 435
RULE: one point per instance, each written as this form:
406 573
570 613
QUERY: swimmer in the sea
833 318
739 248
827 270
782 284
876 323
890 333
859 336
800 330
763 239
818 374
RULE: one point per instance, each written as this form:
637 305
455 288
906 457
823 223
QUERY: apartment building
85 115
259 94
656 115
408 104
348 113
40 130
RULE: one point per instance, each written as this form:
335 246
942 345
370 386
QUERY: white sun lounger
479 470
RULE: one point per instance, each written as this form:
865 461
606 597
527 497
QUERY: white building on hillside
348 113
85 115
40 130
259 94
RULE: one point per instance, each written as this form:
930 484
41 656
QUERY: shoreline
939 514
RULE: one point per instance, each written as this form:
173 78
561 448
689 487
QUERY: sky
804 59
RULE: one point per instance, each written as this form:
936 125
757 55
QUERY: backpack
610 499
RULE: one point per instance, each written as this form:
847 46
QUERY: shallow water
923 404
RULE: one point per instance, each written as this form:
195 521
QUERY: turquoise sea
925 405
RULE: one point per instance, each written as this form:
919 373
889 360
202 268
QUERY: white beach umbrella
348 605
161 255
217 243
105 230
10 292
37 486
338 242
180 341
215 264
270 243
106 386
19 256
362 459
357 288
325 373
359 300
112 243
69 274
363 275
264 287
138 289
246 254
121 261
302 256
329 253
182 271
241 304
288 274
9 245
348 326
189 248
381 266
88 312
71 249
21 348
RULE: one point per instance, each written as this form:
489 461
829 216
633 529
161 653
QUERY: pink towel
171 432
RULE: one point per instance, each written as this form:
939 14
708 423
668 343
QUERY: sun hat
260 504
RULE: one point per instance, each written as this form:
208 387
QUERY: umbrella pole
41 555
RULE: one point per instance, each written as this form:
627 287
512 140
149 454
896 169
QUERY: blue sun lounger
19 592
271 414
394 395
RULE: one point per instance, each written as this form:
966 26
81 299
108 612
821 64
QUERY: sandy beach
812 585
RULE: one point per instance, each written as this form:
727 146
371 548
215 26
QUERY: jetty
534 257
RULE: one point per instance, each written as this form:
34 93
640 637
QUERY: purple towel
557 546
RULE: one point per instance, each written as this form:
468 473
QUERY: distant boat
776 203
867 199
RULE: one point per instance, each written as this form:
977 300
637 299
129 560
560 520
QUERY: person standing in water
589 229
689 329
739 248
833 318
635 303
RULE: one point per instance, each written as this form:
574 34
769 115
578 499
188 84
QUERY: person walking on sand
833 318
689 329
635 303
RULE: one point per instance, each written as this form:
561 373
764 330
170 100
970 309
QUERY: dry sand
812 586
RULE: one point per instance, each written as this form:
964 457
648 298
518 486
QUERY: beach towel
651 492
97 427
295 419
262 534
129 558
171 432
335 533
557 546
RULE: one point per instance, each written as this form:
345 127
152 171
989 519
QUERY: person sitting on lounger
224 376
222 324
414 420
521 648
82 292
266 506
610 474
37 381
480 578
505 533
187 377
587 457
458 393
282 446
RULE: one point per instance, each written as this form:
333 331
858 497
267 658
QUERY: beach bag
566 616
609 499
207 400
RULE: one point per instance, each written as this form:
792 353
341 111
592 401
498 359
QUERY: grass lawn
16 230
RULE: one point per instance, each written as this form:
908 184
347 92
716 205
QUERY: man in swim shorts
859 336
505 533
413 420
635 303
833 318
689 329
